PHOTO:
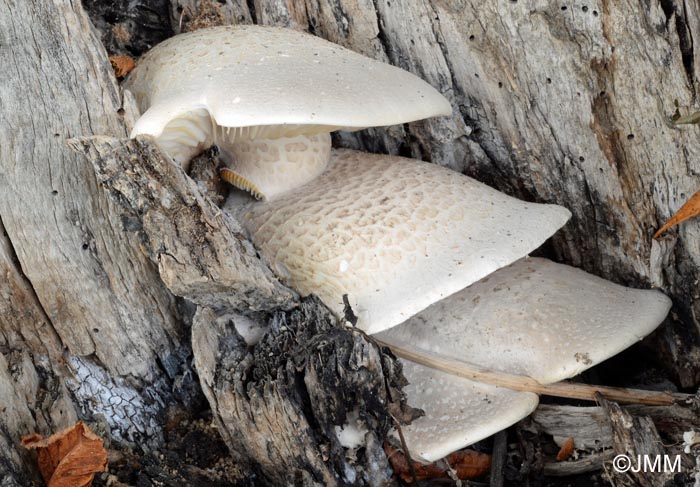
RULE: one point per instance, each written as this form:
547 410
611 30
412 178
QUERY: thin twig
566 389
404 447
498 458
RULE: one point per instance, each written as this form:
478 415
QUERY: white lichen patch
129 416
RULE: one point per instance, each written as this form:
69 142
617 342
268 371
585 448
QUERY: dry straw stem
522 383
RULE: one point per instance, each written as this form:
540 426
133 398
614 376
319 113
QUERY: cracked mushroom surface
268 97
394 235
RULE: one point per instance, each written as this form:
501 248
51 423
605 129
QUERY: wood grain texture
552 101
33 396
85 321
278 405
637 438
201 252
100 293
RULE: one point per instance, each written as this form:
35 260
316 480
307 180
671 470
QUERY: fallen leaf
467 464
69 458
566 450
121 65
693 118
690 209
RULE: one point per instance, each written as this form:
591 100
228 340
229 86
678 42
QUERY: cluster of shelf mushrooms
422 254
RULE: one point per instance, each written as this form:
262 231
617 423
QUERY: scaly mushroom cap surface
458 412
393 234
274 89
535 318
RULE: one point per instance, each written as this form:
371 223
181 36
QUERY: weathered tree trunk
567 103
90 326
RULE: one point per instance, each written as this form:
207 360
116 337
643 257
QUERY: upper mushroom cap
458 411
261 76
394 234
536 318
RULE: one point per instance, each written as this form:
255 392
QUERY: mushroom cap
536 318
393 234
267 76
458 411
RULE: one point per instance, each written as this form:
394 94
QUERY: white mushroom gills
269 167
533 318
269 98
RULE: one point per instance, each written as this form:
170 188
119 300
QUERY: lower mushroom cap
395 235
536 318
458 412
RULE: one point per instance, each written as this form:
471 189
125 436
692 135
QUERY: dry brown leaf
122 65
566 450
693 118
690 209
69 458
467 464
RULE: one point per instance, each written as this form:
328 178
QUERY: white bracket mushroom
393 234
268 97
533 318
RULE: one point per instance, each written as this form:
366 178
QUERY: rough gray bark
635 437
281 402
201 252
100 293
87 328
90 328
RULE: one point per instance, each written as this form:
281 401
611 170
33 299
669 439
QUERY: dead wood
202 254
635 437
87 329
279 405
82 307
589 426
498 462
589 463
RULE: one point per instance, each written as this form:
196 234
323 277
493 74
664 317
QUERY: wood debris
465 464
